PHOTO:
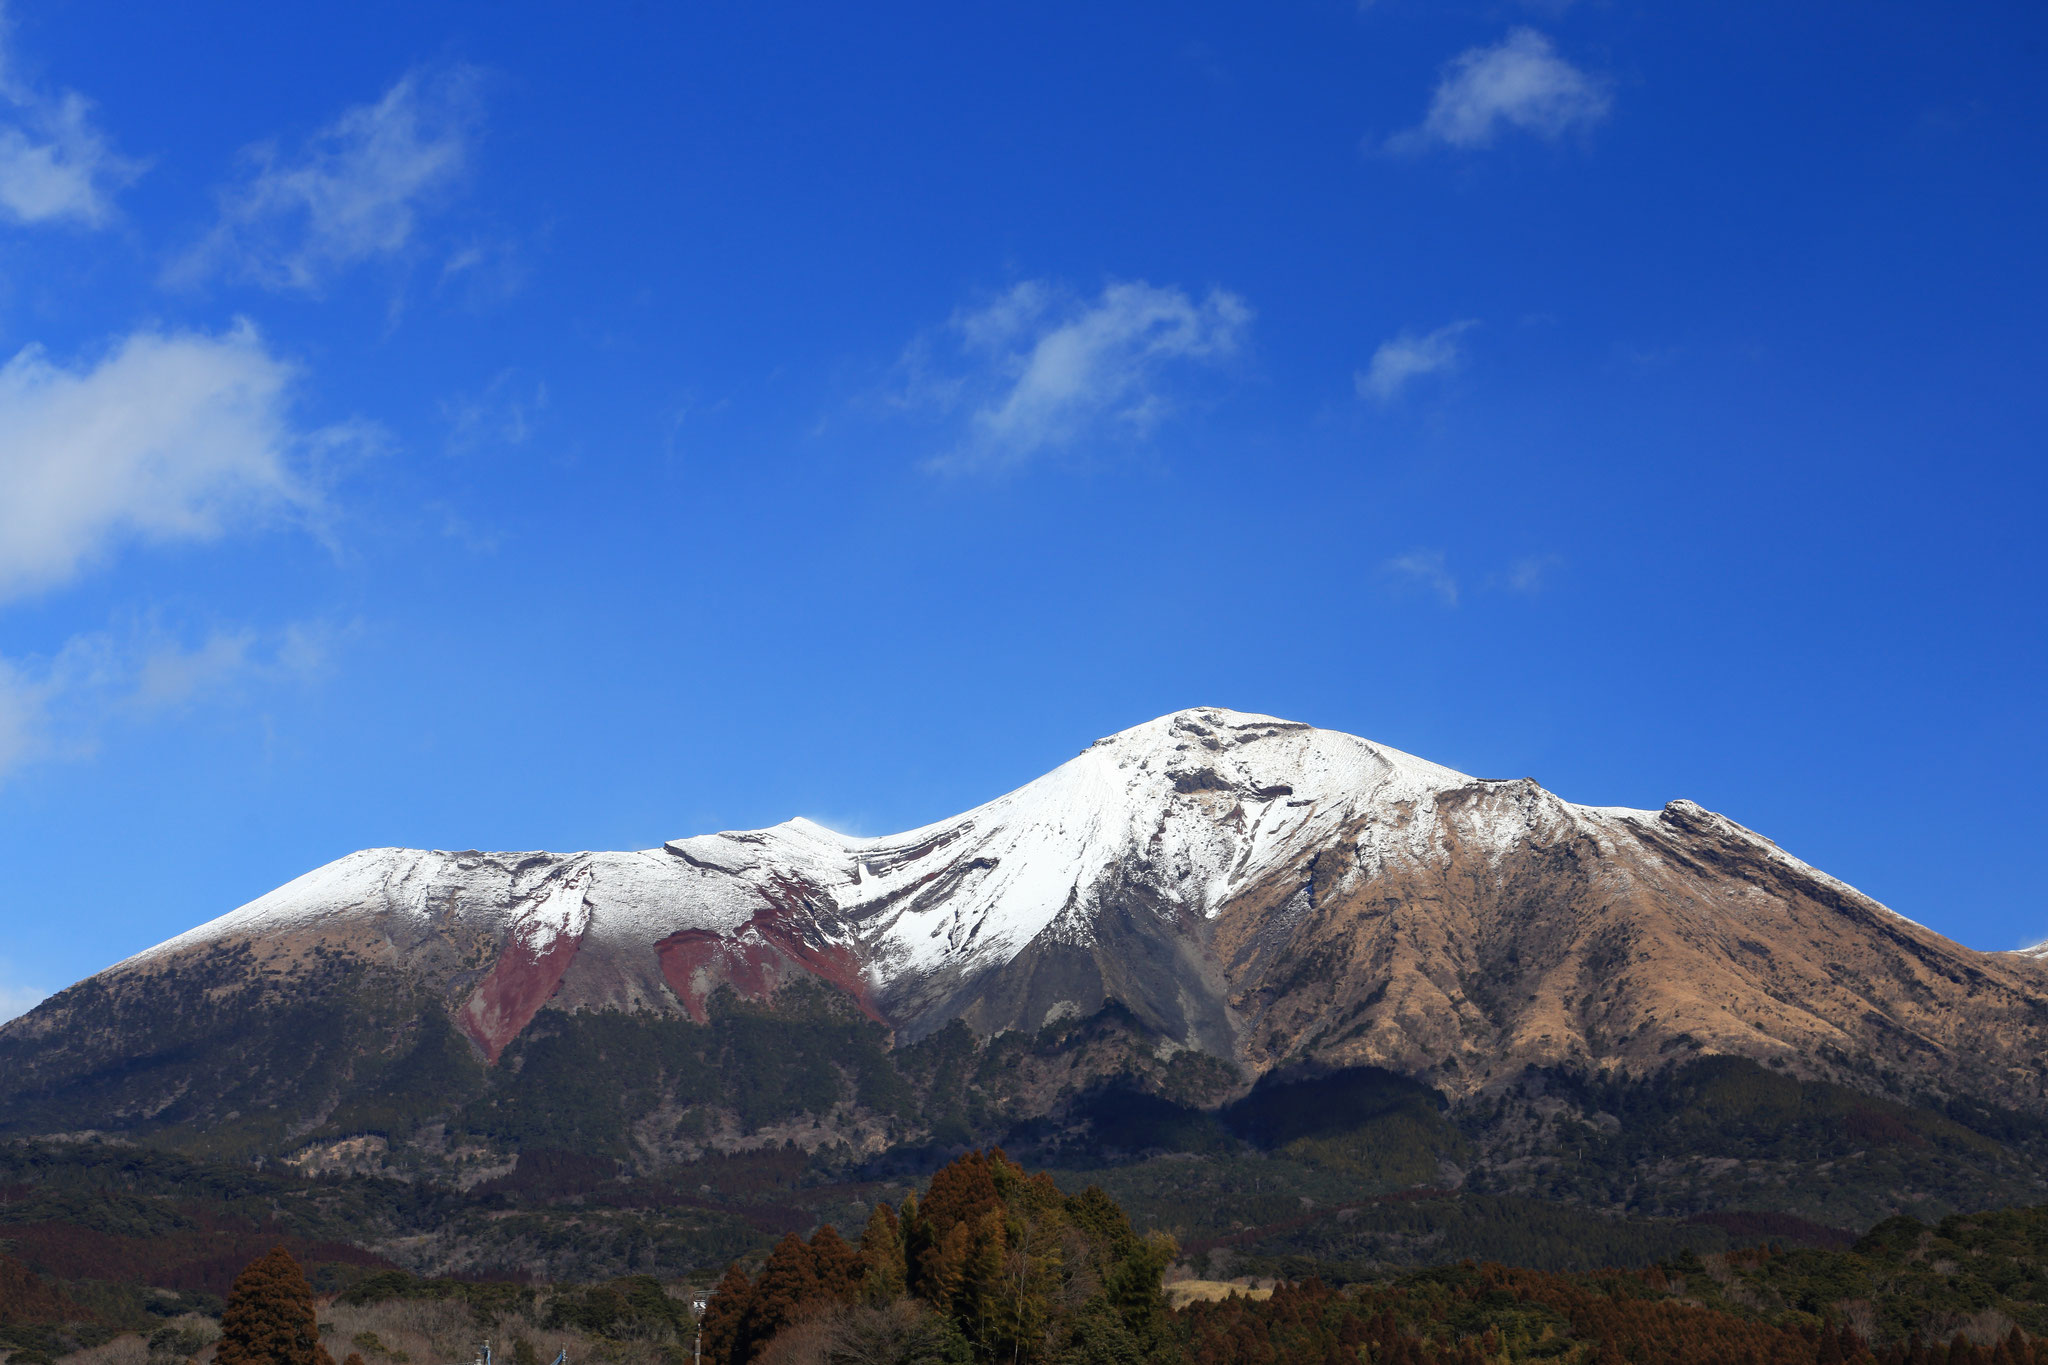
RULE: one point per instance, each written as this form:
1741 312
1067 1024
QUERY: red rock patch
780 941
521 982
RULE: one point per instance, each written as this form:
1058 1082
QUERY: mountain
1285 900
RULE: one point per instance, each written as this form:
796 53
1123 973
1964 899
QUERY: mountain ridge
1253 889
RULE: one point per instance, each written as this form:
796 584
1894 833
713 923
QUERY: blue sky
461 426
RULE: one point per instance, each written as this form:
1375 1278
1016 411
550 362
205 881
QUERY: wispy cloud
1531 574
56 706
1039 369
1520 83
55 166
501 414
169 436
355 191
1408 357
1426 570
17 1000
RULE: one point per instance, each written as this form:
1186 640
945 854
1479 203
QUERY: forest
986 1263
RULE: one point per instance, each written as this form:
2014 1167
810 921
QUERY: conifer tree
723 1316
269 1317
960 1192
941 1270
837 1265
788 1287
881 1254
978 1295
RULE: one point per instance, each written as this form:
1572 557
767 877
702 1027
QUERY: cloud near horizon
16 1001
55 165
355 190
1519 82
1043 369
1397 363
170 436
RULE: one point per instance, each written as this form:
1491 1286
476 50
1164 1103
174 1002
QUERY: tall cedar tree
269 1316
799 1280
837 1265
881 1255
724 1315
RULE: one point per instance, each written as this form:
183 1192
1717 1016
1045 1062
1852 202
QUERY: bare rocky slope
1275 896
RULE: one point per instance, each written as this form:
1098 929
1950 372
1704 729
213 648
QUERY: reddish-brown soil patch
780 940
506 1000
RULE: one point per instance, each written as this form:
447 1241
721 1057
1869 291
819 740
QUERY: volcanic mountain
1258 890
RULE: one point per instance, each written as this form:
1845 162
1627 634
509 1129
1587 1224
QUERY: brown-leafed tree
837 1265
269 1318
787 1289
724 1315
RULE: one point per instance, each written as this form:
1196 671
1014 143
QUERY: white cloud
55 707
1532 574
1519 82
55 165
170 436
1044 369
16 1001
1425 569
23 701
1408 357
355 191
502 414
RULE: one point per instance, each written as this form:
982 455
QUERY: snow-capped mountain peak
1246 885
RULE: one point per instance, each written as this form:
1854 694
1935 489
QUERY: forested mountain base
602 1146
989 1264
691 1142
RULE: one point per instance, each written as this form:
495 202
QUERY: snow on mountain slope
972 889
978 887
1194 806
1244 885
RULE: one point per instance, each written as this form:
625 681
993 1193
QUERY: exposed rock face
1612 940
1249 887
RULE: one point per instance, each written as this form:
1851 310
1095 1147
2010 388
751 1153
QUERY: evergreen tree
978 1293
961 1192
881 1254
1133 1286
837 1265
787 1290
269 1317
723 1316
